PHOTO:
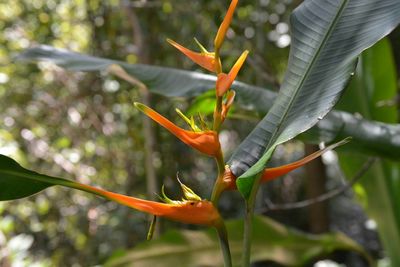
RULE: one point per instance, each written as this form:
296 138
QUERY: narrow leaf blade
169 82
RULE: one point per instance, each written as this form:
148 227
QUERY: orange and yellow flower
192 209
204 59
205 141
211 61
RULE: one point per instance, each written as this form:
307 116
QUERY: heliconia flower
224 81
227 104
272 173
223 28
205 59
192 210
205 141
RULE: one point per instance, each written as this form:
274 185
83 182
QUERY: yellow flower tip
174 44
202 48
223 28
192 209
189 122
188 192
205 60
238 64
140 106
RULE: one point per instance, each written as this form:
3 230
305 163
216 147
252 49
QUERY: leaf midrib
310 65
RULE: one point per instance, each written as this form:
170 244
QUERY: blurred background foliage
83 126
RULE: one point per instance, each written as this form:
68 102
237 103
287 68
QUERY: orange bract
204 141
204 59
193 212
219 38
227 104
224 81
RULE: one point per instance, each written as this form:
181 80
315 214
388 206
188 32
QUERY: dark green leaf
373 138
18 182
15 182
328 36
164 81
271 241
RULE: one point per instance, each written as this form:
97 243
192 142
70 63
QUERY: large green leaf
165 81
371 94
271 241
371 137
328 36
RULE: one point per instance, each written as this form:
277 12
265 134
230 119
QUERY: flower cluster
192 209
201 138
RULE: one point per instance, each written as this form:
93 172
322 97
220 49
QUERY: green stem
218 106
219 182
217 114
248 222
247 234
223 241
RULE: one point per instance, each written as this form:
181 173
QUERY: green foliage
160 80
371 93
102 105
371 137
317 73
271 242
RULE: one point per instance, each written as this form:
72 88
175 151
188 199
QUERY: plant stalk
247 232
223 241
219 182
248 222
217 114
